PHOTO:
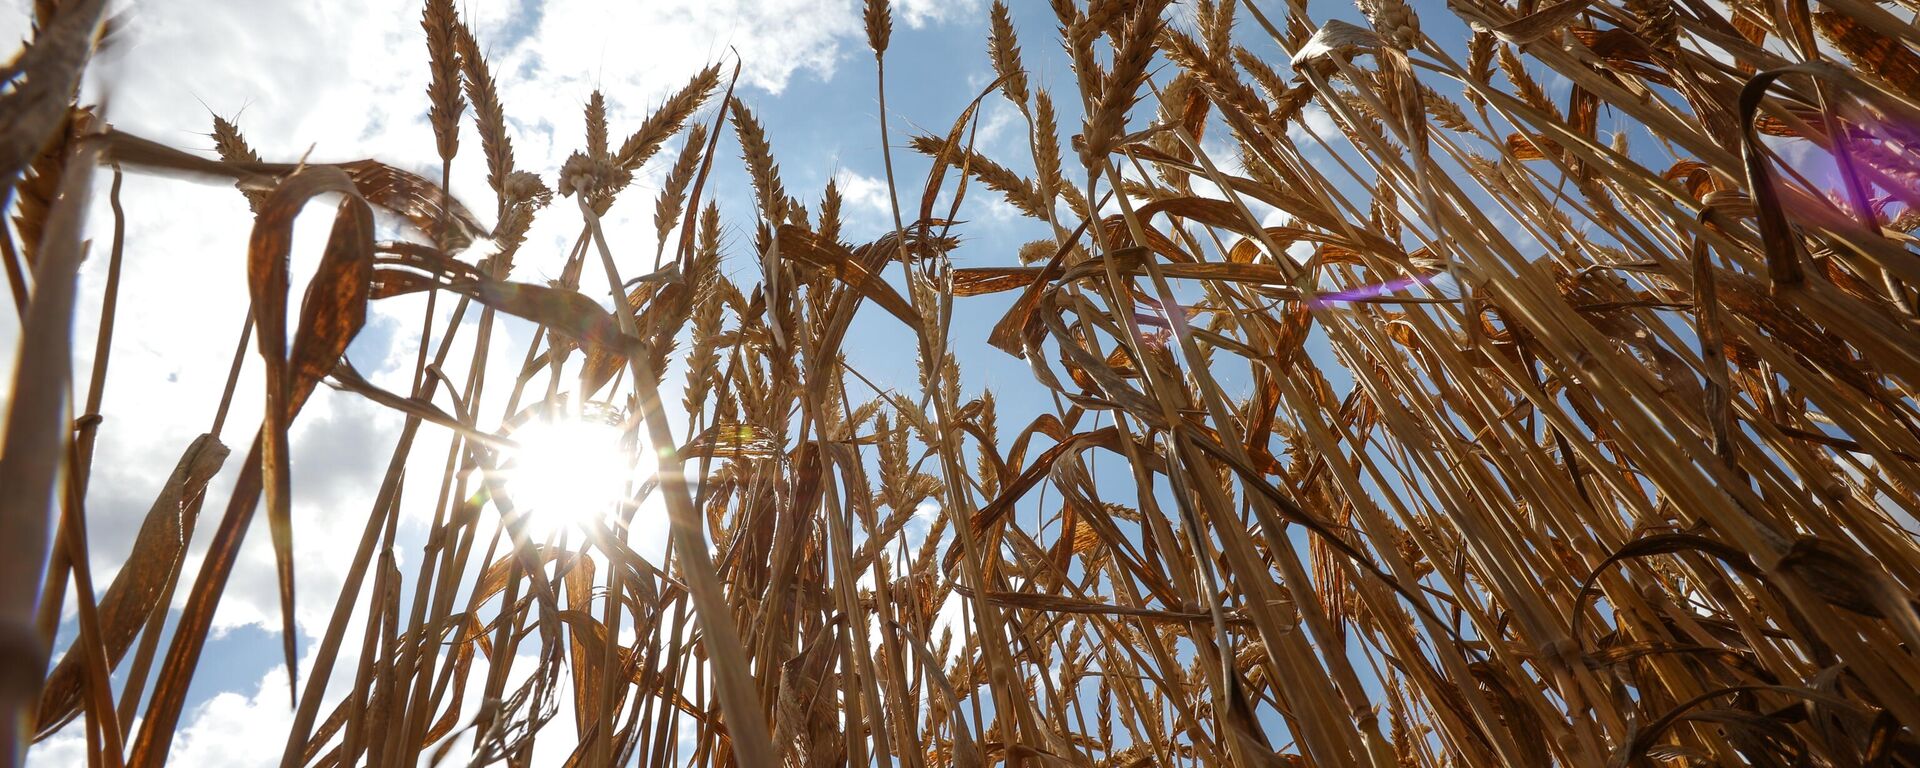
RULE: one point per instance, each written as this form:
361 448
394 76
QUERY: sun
572 466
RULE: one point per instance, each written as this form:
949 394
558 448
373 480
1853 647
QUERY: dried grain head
878 19
668 119
445 104
1394 21
761 168
1003 49
594 177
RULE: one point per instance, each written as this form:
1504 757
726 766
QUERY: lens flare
571 467
1368 292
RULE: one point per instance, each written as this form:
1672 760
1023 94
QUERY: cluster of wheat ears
1625 473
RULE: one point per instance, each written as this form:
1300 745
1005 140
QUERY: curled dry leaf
331 314
158 551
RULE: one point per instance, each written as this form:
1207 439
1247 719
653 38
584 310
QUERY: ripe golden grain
1357 444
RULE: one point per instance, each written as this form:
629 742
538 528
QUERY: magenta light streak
1368 291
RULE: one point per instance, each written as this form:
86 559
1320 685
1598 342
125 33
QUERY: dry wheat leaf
843 265
136 589
331 314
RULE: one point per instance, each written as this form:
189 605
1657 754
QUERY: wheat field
1566 417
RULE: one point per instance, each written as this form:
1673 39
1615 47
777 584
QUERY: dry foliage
1561 446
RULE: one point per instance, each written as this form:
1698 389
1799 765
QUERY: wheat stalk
1578 432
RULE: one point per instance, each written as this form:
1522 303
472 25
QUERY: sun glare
571 468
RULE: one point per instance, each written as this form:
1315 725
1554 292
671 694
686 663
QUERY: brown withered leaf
346 377
1542 22
1694 176
425 258
652 303
731 440
1782 246
1707 326
668 307
331 314
471 638
1773 126
494 578
1616 45
1284 510
569 313
1524 147
979 281
335 306
954 153
1266 274
421 202
1059 604
389 282
412 197
1661 544
587 672
833 258
1849 579
136 590
1154 343
987 520
1014 329
1524 728
593 635
976 281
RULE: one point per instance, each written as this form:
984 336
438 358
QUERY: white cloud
862 194
1001 127
997 207
1314 121
657 45
918 13
1273 217
347 80
350 84
66 748
246 727
235 729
